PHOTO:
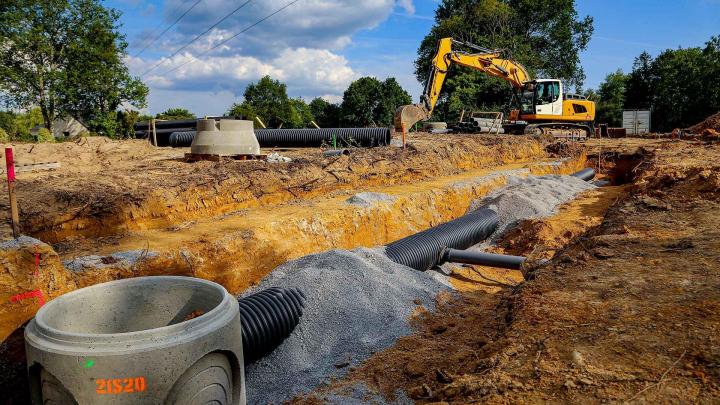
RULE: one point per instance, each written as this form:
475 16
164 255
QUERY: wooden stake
403 135
10 161
153 133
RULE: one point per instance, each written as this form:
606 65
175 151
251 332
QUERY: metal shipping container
636 121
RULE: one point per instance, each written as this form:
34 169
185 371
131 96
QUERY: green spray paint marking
89 363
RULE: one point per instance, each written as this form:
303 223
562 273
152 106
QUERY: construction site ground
626 309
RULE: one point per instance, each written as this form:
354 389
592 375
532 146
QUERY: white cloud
298 47
407 5
307 72
324 24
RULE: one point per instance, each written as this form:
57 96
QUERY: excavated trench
239 248
417 366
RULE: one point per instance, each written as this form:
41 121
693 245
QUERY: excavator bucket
407 115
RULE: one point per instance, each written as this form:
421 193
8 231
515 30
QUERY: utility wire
168 28
196 38
194 58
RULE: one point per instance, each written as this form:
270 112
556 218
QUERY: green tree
242 110
65 56
679 96
27 121
301 114
268 99
591 95
8 123
393 96
639 92
370 102
611 97
546 36
175 114
327 115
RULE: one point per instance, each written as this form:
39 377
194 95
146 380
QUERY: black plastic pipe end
482 258
267 318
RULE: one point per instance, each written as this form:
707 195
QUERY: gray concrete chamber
148 340
226 138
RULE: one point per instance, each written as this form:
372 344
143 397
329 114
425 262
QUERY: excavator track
560 130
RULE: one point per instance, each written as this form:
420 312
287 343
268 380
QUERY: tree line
679 86
366 102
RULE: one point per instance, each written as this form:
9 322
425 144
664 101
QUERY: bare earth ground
109 187
628 312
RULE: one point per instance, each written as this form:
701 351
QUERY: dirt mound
711 126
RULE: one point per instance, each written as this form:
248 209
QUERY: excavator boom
485 60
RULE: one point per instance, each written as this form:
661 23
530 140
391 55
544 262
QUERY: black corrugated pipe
585 174
421 251
289 138
181 139
481 258
310 137
186 123
267 318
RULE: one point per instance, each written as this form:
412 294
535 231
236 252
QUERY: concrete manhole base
169 340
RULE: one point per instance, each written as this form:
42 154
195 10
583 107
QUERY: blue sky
318 47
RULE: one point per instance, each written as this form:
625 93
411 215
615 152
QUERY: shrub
4 136
44 135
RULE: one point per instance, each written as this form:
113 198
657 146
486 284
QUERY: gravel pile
358 302
530 197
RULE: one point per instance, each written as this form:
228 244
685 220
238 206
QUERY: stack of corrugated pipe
448 242
306 137
479 125
180 133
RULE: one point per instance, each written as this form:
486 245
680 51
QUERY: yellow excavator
544 106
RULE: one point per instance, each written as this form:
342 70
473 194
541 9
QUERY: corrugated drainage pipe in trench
585 174
267 318
421 251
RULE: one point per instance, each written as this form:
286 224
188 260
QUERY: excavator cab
542 97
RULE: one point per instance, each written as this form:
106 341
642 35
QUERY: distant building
64 128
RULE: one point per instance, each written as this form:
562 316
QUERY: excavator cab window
527 98
547 92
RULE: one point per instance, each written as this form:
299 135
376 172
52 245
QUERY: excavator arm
486 60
